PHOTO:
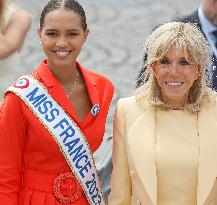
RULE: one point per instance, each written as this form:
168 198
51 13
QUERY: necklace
74 84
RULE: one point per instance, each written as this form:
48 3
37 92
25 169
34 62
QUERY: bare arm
15 33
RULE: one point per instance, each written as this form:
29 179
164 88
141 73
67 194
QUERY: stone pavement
118 29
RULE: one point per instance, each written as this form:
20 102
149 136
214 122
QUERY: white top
8 66
177 156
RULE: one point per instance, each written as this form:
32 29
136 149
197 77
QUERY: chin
175 94
213 19
63 63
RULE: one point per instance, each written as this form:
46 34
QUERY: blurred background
115 47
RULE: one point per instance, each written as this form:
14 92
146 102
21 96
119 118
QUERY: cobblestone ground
118 29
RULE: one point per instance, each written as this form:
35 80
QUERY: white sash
65 132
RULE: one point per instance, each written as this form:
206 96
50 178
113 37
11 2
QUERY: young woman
52 121
165 142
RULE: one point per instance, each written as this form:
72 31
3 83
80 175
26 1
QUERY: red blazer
30 159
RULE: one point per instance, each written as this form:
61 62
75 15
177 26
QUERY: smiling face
175 75
62 37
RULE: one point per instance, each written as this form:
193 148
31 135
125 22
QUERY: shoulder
191 18
210 105
212 98
13 110
99 78
127 102
11 103
129 107
94 75
22 16
104 87
102 83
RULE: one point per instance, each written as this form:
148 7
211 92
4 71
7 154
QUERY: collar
46 75
49 79
58 93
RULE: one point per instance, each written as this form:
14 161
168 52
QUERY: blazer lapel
194 19
55 89
92 89
141 144
207 170
214 72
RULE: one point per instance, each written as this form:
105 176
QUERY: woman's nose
61 42
174 69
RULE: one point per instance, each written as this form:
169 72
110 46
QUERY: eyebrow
183 58
50 30
164 58
58 30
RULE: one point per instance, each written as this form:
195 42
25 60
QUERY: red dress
30 159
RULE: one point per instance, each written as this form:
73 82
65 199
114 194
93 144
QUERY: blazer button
138 202
211 203
132 174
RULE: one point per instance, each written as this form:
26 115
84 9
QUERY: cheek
78 43
160 76
192 76
46 43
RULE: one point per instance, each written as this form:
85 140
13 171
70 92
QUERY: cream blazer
134 180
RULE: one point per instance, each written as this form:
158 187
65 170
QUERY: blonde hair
181 35
3 7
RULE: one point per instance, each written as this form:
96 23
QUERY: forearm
6 48
13 38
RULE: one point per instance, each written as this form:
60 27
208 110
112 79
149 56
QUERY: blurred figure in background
205 18
14 25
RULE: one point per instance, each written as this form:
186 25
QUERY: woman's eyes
184 62
164 61
181 62
51 34
71 34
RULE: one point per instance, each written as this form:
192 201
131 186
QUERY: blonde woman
165 137
14 25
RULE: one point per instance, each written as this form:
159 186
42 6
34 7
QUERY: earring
40 43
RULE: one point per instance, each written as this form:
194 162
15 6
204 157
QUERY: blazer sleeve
120 178
12 132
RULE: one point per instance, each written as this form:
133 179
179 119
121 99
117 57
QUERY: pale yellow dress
178 172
